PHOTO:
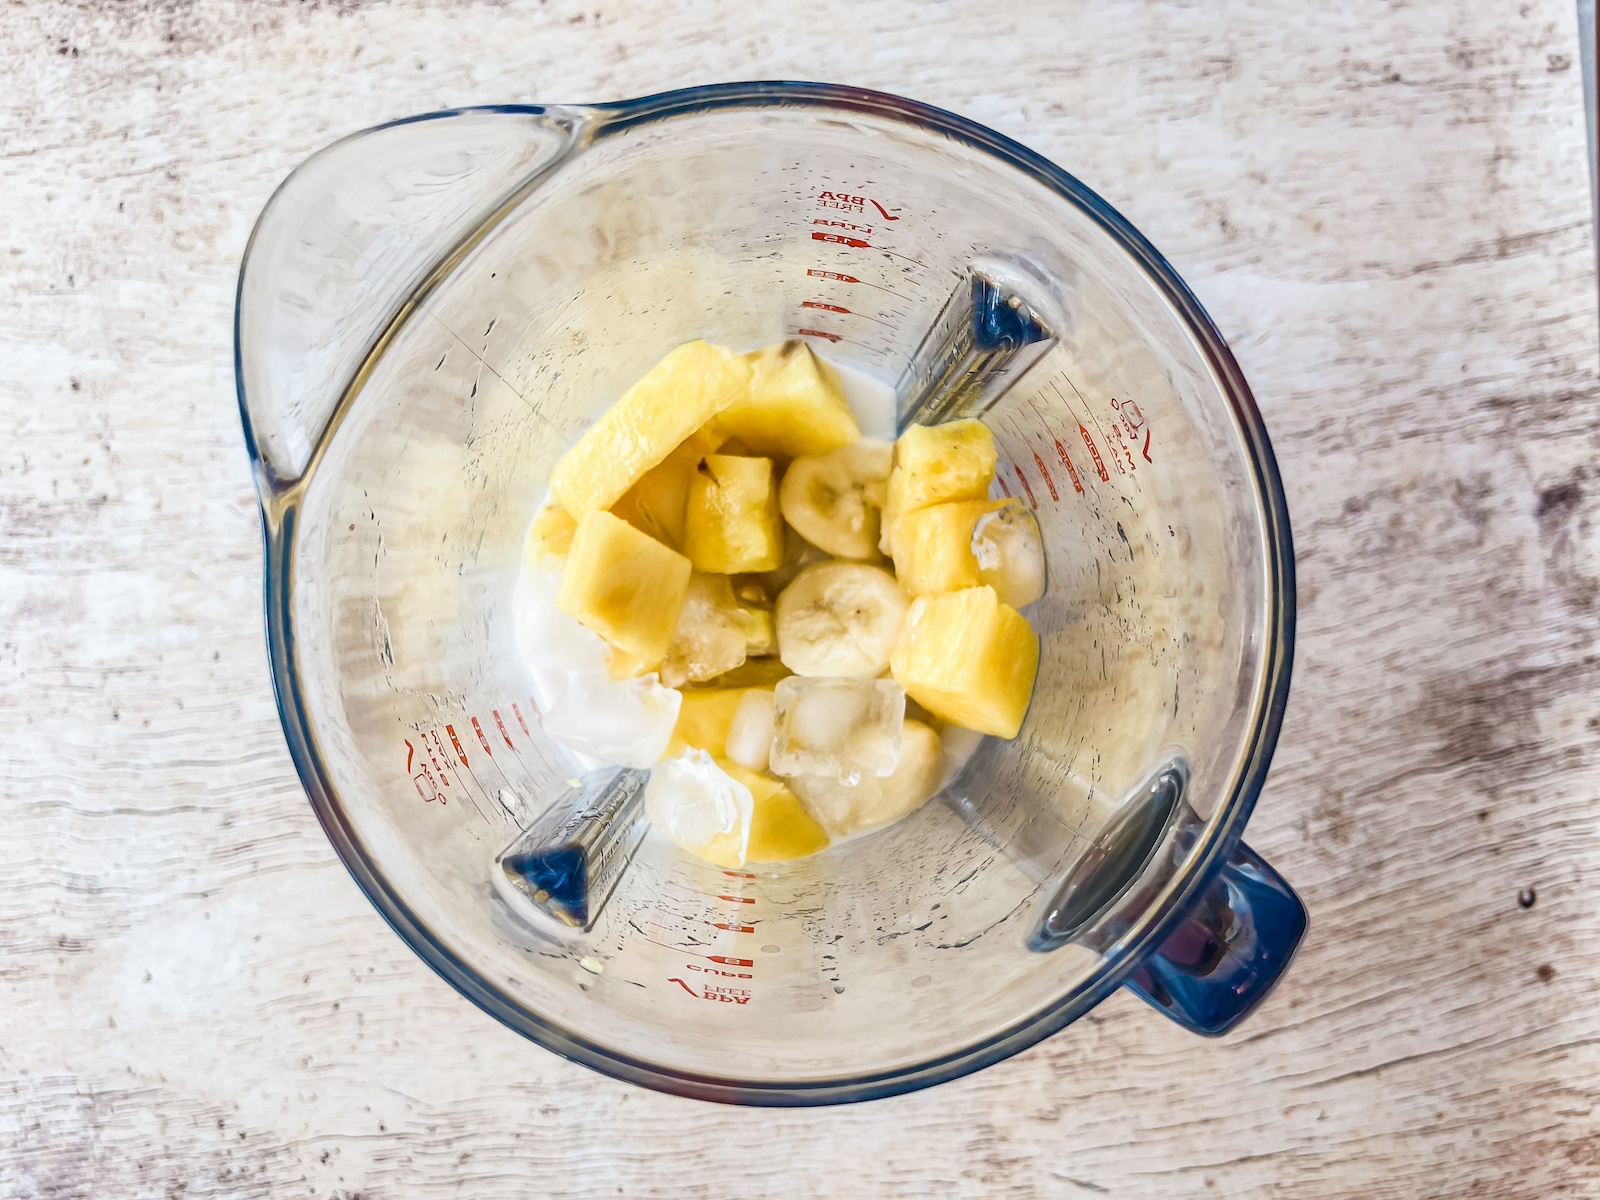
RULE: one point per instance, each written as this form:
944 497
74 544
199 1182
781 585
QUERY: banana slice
835 500
874 802
840 618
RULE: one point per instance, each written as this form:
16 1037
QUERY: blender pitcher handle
1228 951
353 239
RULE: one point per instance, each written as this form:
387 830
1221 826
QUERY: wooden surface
1383 206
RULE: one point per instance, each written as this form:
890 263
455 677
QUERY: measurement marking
849 312
839 277
832 337
867 229
433 787
1115 460
495 763
841 239
472 775
1098 428
462 754
517 754
1072 471
1045 471
724 925
736 899
520 721
1147 457
685 987
411 753
437 765
882 212
1099 466
496 714
1003 486
1122 444
716 958
738 874
1023 480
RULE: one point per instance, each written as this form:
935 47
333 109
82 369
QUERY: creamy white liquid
871 401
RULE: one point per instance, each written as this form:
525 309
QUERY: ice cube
1010 554
847 809
749 739
622 722
548 637
700 808
710 636
846 728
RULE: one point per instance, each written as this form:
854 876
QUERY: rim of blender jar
1225 825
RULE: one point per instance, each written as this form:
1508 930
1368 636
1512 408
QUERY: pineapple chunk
755 618
969 660
676 397
759 629
625 586
656 503
550 537
703 721
623 665
933 546
936 464
732 523
795 405
780 828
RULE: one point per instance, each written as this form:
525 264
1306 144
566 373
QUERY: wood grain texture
1383 206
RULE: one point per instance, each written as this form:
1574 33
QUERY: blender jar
431 312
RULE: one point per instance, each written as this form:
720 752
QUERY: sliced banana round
839 618
835 500
843 810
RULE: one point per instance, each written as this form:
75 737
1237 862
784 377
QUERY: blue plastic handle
1229 950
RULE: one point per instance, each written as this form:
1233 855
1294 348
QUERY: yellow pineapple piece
676 397
703 721
937 464
795 405
780 827
759 629
933 546
732 523
623 665
624 585
550 537
656 503
755 617
968 659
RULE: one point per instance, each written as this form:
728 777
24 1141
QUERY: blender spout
352 242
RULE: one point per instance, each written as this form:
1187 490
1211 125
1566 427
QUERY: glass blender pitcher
431 312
